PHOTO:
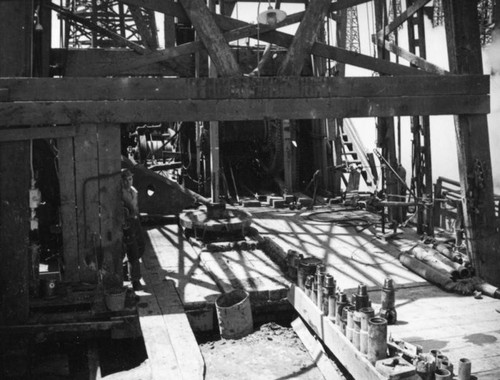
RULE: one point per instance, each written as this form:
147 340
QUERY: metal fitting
314 291
320 279
343 319
388 300
366 314
341 303
350 321
307 266
308 285
464 369
329 300
377 339
356 331
361 299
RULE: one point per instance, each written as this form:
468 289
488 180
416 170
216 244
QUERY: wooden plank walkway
350 256
173 352
459 326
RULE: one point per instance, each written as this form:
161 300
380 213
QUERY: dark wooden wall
91 210
15 60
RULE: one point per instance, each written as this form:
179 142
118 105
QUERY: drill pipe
377 339
464 369
366 314
350 322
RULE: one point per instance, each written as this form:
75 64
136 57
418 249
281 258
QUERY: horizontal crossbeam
35 101
138 111
84 89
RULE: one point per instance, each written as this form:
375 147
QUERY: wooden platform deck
457 325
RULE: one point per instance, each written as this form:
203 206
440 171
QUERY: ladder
357 161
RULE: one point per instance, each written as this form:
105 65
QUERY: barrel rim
243 292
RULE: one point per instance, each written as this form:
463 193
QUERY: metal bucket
115 299
234 314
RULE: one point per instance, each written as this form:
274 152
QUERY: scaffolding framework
109 14
352 32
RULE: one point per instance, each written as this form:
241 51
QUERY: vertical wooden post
386 136
16 29
319 126
110 199
336 125
214 161
87 197
464 54
214 136
69 223
169 30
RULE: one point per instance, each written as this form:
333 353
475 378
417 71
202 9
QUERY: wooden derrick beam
148 89
413 59
410 11
327 51
54 101
169 53
152 111
385 127
304 38
212 37
267 34
148 33
464 54
106 62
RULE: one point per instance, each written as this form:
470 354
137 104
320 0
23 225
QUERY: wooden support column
110 200
169 31
464 52
304 38
16 29
336 125
386 135
212 37
292 65
214 129
320 141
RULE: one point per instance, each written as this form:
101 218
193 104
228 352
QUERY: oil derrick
394 11
486 20
352 30
128 22
437 13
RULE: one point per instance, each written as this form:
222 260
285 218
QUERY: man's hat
126 173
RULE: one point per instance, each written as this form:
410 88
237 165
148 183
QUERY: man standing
132 230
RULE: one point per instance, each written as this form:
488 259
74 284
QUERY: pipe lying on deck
439 262
426 271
